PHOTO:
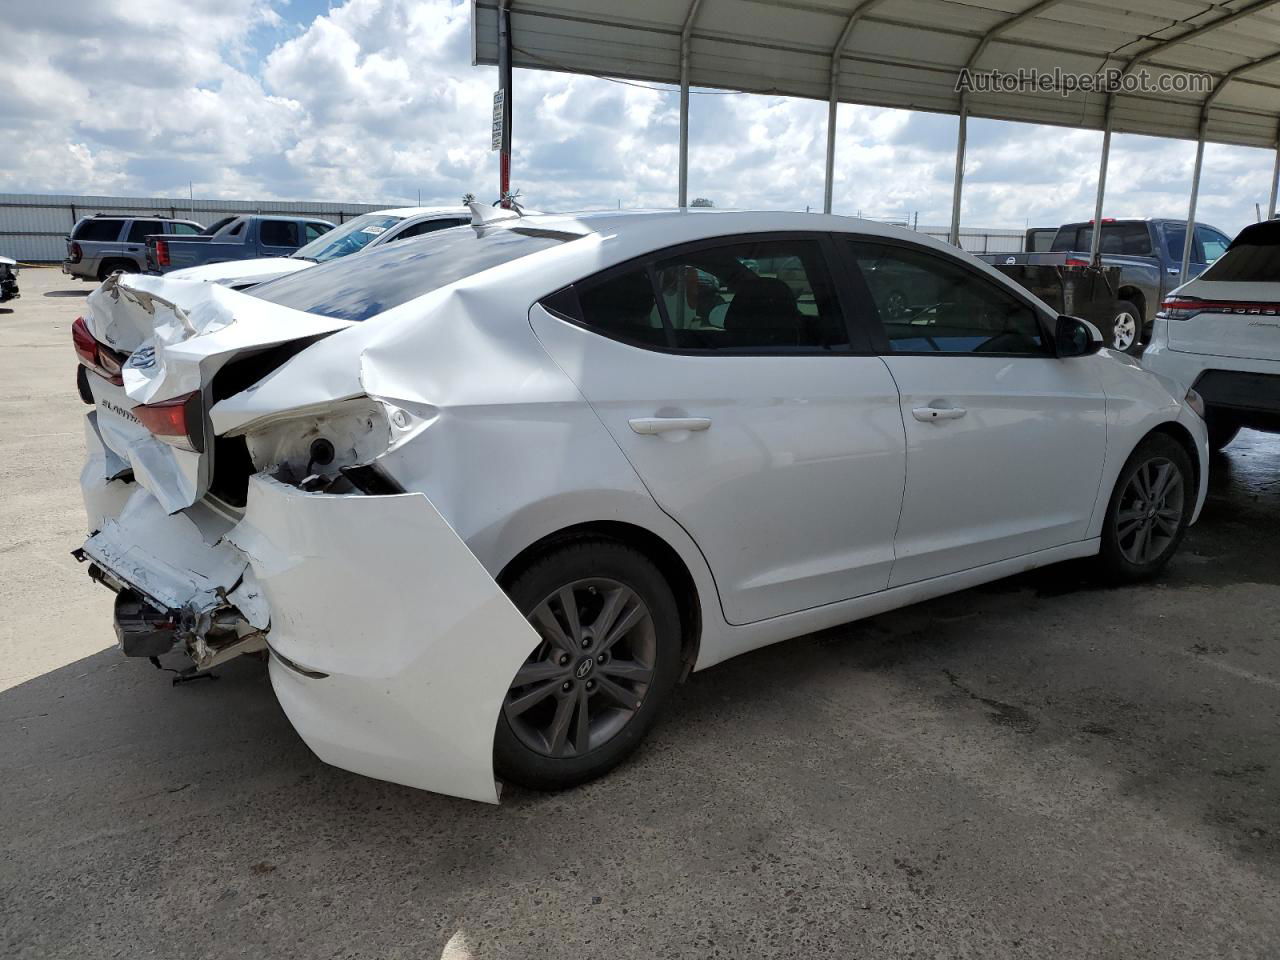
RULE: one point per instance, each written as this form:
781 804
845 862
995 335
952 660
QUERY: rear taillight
162 253
1076 262
1184 308
179 421
101 360
76 253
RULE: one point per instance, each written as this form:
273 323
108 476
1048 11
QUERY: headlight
1196 403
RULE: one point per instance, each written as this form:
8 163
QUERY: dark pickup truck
234 238
1148 255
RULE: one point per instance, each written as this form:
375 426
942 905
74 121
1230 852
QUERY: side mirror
1076 338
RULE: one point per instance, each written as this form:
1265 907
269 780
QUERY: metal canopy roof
908 53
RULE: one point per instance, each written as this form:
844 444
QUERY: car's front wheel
608 657
1149 511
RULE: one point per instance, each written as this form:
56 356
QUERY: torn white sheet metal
417 642
178 561
179 334
104 494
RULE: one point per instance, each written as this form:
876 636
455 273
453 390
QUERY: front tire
1149 510
609 657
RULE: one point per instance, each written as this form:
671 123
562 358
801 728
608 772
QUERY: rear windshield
357 288
1254 256
1127 238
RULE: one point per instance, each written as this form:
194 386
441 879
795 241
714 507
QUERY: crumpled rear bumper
392 647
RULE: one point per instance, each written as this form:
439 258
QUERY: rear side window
357 288
279 233
185 229
139 230
98 230
761 296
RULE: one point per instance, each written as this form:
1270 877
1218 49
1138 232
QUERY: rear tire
1126 328
109 267
1149 511
1222 430
585 698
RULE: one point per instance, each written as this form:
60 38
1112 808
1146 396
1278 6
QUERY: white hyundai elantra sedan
484 497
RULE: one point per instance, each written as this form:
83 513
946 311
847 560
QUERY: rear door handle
927 414
648 426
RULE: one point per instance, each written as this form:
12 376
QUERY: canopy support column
1191 210
684 101
504 84
962 136
1275 183
829 186
1096 242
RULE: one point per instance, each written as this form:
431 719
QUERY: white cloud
376 100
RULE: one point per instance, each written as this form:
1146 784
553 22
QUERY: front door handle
929 414
648 426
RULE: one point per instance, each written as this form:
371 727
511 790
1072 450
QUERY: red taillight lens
1184 308
1076 262
179 421
101 360
162 253
76 253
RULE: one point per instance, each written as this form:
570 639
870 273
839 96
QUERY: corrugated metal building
33 227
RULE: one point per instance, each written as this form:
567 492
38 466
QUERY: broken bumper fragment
392 647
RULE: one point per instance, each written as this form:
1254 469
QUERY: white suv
1220 334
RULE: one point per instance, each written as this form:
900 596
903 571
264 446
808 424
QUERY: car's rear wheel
609 656
109 267
1125 328
1150 508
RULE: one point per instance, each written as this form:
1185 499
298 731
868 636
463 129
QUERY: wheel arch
1182 436
665 557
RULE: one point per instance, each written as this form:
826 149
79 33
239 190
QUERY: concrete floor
1039 768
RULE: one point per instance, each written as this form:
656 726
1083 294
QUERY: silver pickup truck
1148 254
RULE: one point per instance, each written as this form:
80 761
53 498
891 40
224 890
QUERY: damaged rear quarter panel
417 641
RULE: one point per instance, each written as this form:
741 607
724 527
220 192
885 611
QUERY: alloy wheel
1124 331
589 675
1150 512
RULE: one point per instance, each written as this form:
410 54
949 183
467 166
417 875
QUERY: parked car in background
366 232
8 279
1220 333
1147 252
234 238
486 495
100 245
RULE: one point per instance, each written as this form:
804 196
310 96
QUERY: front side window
428 226
1212 244
317 230
279 233
928 304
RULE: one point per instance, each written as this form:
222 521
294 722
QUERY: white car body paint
507 424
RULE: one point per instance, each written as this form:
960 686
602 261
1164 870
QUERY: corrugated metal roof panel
907 53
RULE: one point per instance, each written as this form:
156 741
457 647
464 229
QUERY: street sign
499 100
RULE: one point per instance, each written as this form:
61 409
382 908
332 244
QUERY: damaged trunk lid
178 335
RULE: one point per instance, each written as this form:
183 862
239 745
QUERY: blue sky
376 100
